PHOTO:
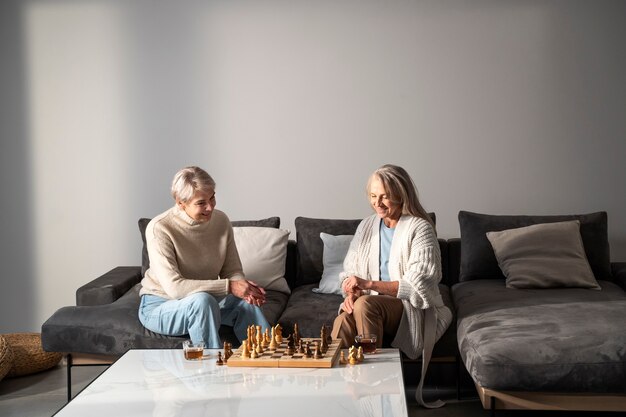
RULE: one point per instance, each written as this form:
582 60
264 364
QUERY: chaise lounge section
540 348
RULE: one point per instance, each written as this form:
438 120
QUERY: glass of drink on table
367 342
193 351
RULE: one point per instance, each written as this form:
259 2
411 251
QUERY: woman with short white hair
195 281
392 271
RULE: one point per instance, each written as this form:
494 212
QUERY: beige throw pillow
546 255
263 251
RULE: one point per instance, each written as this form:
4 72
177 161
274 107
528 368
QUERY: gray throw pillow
548 255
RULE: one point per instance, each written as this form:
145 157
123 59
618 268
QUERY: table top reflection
160 382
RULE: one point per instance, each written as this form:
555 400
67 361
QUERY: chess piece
245 353
324 345
219 362
296 334
259 349
317 354
273 344
307 352
359 354
253 354
342 358
352 356
249 340
279 334
300 347
227 351
259 335
266 338
290 346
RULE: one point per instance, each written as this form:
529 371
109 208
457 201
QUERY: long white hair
400 189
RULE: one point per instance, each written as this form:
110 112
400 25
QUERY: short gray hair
188 180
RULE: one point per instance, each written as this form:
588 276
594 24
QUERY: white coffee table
162 383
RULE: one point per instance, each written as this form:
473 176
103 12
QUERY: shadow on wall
18 296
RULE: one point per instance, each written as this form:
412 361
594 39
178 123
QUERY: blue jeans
199 315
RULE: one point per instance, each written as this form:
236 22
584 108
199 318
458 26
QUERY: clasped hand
353 286
248 291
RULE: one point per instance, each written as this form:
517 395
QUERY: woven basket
6 357
28 355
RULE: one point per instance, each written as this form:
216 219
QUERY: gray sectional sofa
557 348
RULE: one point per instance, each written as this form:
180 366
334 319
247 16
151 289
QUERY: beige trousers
373 314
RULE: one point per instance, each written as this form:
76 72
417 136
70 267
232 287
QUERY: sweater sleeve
354 257
163 264
422 270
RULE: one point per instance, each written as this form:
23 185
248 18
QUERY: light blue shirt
386 236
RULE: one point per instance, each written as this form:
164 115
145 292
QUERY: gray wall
492 106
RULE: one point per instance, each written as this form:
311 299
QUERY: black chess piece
290 346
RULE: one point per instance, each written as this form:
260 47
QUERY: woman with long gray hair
391 273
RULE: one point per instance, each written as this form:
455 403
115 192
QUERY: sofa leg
493 406
69 377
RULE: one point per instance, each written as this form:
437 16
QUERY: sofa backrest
309 247
477 258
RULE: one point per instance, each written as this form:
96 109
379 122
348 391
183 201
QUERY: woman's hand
248 291
348 303
354 285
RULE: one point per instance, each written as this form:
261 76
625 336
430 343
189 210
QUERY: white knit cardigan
414 261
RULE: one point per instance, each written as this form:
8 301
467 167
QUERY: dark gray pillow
310 247
478 260
273 222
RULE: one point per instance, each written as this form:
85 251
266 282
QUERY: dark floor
43 394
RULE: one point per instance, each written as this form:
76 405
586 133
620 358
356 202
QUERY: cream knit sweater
414 261
187 257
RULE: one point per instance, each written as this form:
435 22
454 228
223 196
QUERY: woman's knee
364 305
202 302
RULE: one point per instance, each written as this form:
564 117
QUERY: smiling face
389 211
200 206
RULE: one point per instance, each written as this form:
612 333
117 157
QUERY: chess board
278 358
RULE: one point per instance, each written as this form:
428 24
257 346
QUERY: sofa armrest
618 269
108 287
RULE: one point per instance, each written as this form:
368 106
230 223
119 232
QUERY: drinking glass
193 351
367 342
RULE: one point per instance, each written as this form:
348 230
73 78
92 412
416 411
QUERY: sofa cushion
114 328
309 310
478 260
334 252
263 251
273 222
545 255
310 248
557 340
